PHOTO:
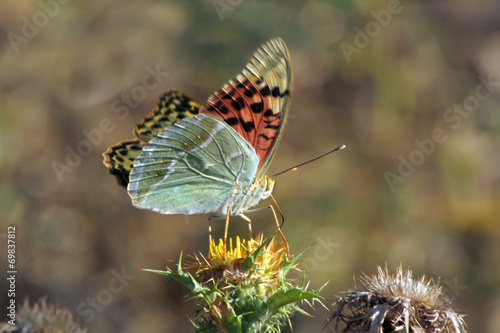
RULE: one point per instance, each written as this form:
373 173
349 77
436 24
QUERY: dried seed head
43 317
396 303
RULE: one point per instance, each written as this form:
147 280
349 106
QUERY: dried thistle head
46 318
396 303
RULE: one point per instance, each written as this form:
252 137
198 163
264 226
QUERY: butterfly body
244 199
211 159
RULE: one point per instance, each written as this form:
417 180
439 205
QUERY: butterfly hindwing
255 103
171 107
120 159
192 167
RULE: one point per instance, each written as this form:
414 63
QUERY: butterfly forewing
255 103
192 167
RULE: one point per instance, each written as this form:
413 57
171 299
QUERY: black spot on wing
247 89
228 95
268 113
250 91
265 91
267 137
247 126
275 92
217 107
257 107
232 121
237 103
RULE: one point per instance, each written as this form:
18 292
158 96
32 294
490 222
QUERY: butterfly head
268 186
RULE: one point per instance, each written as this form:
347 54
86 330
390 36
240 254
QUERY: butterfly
210 159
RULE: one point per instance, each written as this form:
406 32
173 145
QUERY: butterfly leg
279 228
278 224
209 232
279 210
226 229
246 218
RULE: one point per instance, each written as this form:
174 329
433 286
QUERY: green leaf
156 271
182 277
285 297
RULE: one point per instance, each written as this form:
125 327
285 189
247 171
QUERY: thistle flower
229 262
243 288
396 303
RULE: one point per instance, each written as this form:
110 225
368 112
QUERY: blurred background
412 89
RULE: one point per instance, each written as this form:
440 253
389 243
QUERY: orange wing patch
255 103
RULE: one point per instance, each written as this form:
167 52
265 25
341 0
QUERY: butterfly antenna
314 159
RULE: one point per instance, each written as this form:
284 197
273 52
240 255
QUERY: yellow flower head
241 285
227 261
